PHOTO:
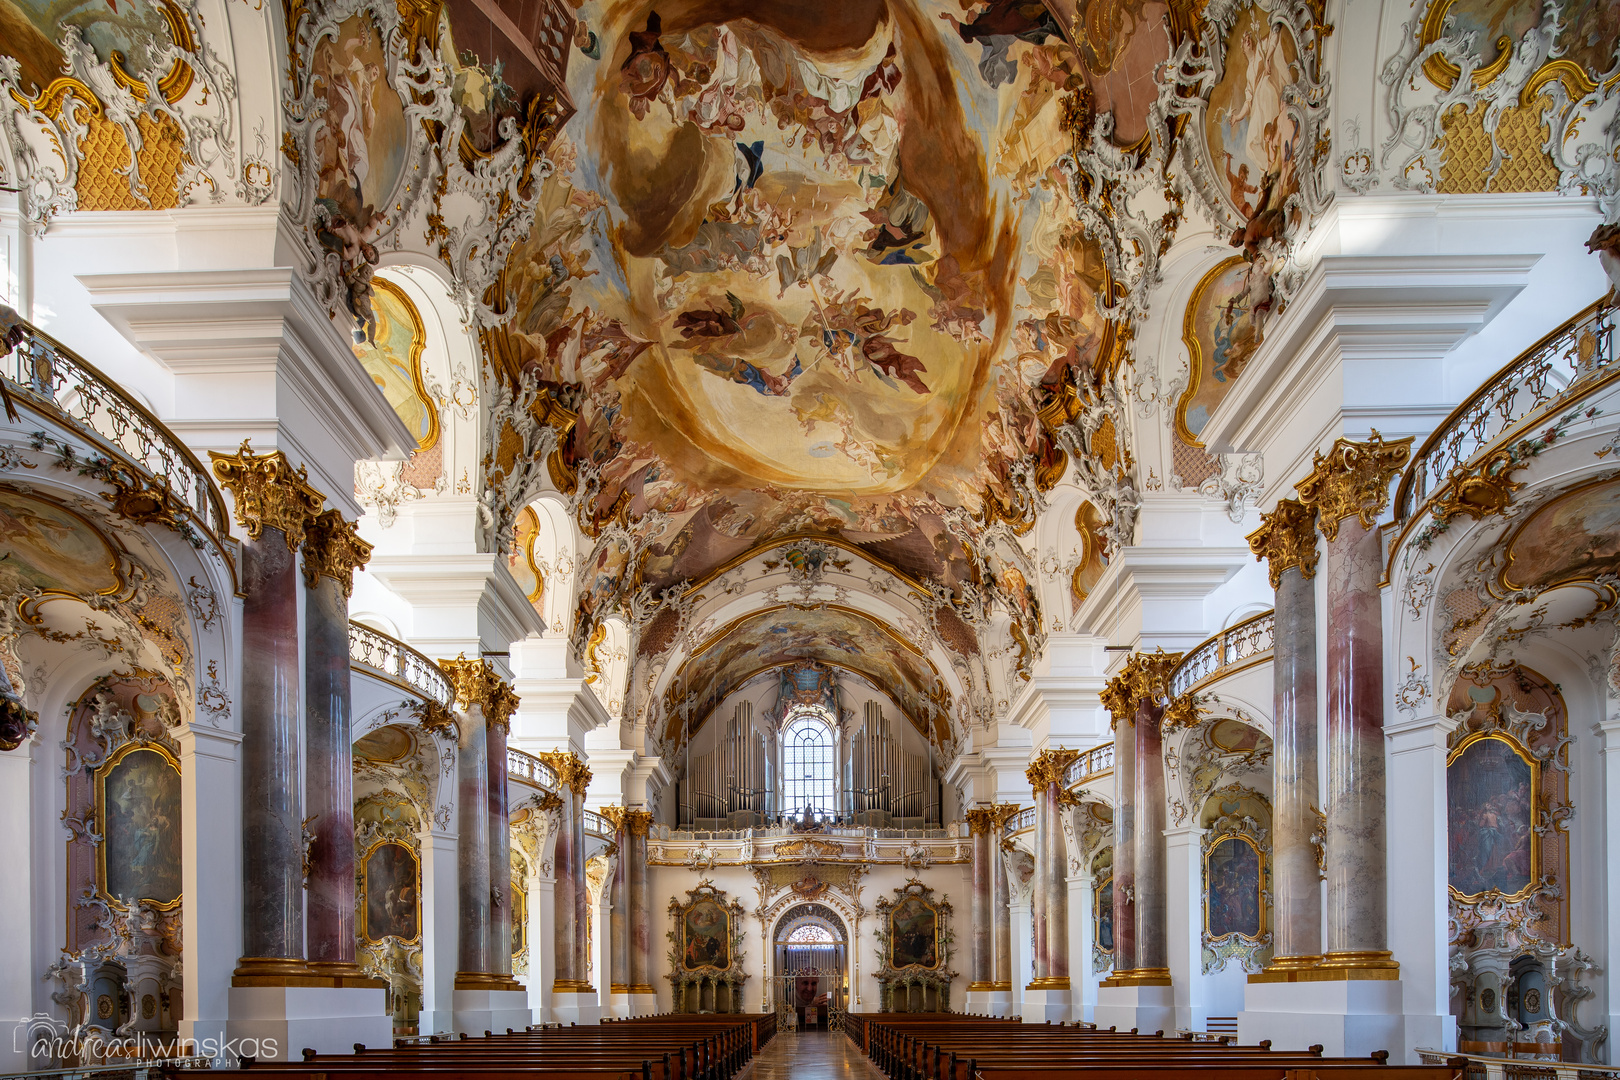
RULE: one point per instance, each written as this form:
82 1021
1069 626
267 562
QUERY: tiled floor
813 1055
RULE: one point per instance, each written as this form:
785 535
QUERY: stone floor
813 1055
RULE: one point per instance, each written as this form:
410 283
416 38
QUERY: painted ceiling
804 269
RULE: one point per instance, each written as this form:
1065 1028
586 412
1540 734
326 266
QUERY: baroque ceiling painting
837 636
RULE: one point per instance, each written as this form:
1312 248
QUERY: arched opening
810 981
808 764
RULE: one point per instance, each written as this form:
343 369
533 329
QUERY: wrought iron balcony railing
1237 643
46 377
1562 367
400 664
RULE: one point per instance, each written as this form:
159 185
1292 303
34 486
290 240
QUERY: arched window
807 765
811 934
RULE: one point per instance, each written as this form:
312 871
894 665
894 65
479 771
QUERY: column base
1285 969
1349 1017
487 980
1139 977
1147 1006
475 1010
280 1022
346 974
575 1006
643 1000
1043 1003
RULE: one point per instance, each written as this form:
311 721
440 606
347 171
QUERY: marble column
1349 488
1051 898
332 553
1038 895
619 906
982 821
273 505
1286 539
572 897
564 930
1000 895
472 850
499 705
1125 843
1152 951
1056 858
641 936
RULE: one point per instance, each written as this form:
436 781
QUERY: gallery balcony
89 424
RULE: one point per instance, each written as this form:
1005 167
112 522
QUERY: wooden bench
645 1048
954 1047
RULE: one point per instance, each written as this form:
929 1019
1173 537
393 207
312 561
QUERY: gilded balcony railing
1097 760
530 770
597 825
1559 369
1237 643
400 664
49 379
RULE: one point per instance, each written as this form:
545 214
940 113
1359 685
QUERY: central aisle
813 1055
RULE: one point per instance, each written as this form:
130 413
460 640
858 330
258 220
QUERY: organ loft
952 539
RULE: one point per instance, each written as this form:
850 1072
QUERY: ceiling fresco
837 636
818 272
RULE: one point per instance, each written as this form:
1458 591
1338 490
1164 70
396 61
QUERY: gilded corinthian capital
1286 538
983 820
1145 676
1049 768
572 771
267 491
332 547
476 682
1352 480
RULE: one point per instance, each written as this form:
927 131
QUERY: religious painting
1235 737
913 934
1588 32
1574 537
1222 331
391 881
706 936
48 547
131 35
360 141
393 359
1233 900
1255 135
1102 914
138 802
1491 798
521 559
386 745
520 921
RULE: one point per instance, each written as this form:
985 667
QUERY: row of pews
645 1048
950 1046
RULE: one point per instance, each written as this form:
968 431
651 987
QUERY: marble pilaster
473 959
641 931
1000 894
573 997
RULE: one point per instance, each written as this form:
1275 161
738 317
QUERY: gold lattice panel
781 875
1193 465
104 151
1105 444
1466 153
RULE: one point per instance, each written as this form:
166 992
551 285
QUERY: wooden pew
954 1047
646 1048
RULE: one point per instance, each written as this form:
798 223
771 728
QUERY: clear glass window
807 766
